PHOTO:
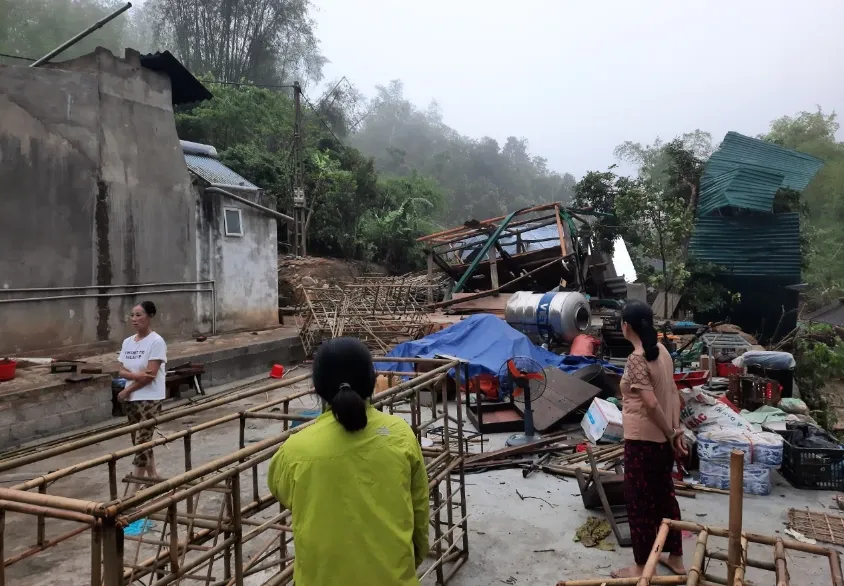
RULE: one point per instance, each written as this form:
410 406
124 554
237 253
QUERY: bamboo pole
739 577
779 563
653 559
835 568
123 430
96 555
238 531
172 513
753 563
116 507
51 512
653 581
3 548
736 496
49 500
694 573
46 545
112 555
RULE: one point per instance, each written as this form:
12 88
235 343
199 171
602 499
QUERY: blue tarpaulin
486 342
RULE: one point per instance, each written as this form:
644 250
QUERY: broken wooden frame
215 520
493 269
737 557
380 313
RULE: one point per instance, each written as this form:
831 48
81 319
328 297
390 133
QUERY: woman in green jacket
355 482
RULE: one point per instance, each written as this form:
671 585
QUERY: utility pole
300 212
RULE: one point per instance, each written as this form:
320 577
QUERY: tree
822 202
261 41
663 223
32 28
674 167
598 191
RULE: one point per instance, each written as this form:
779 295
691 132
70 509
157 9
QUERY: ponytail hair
640 317
349 408
344 377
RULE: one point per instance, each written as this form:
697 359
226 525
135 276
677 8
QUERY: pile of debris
380 311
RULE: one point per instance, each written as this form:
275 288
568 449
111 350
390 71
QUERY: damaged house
103 207
743 227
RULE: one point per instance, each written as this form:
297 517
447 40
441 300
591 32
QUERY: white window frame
226 230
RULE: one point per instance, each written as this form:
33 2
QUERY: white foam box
603 422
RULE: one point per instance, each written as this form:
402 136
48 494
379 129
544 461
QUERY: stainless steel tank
545 316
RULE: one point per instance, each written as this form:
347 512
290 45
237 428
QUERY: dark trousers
649 492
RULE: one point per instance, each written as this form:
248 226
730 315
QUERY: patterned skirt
649 492
136 412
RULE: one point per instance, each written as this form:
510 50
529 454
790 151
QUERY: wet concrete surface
512 541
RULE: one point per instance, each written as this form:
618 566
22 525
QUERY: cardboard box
603 422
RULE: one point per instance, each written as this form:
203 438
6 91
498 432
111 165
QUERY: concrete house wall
244 268
94 191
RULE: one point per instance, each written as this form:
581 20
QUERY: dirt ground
314 271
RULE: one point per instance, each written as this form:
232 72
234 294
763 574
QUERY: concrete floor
512 541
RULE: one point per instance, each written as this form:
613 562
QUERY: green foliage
32 28
353 212
598 191
654 213
822 202
406 206
663 224
819 354
703 292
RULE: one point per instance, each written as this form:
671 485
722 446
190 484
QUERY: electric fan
522 379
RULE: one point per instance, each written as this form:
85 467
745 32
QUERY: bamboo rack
737 552
380 312
215 522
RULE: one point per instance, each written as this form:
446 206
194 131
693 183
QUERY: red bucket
7 369
277 371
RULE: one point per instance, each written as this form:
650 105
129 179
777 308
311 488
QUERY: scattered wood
817 525
517 450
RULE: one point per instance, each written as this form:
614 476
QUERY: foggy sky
576 78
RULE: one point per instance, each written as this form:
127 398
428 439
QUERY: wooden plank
507 452
563 395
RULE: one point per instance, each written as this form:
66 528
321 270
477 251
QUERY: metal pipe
70 42
215 188
94 295
212 290
86 287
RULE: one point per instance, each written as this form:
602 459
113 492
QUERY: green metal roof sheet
760 161
767 245
746 188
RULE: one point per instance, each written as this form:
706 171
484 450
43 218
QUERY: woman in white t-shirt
143 357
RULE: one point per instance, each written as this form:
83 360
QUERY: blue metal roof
761 245
761 164
213 171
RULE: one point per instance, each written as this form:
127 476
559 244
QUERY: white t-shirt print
135 357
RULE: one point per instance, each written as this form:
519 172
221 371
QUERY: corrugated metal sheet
742 151
766 245
535 239
759 161
213 171
745 188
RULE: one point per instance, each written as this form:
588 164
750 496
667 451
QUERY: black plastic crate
812 468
